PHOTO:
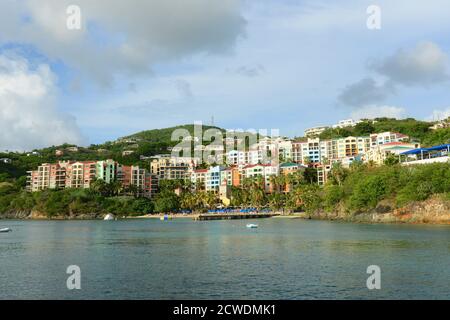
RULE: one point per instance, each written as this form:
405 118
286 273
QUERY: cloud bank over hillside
28 114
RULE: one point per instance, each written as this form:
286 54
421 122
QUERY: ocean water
185 259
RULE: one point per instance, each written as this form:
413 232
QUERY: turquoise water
184 259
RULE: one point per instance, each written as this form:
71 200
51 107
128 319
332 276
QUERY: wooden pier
232 216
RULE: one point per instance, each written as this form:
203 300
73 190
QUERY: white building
315 131
380 153
212 178
346 123
387 137
312 150
262 170
198 178
241 158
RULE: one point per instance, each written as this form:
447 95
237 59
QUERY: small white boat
5 230
252 226
109 217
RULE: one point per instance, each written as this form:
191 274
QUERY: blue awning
420 150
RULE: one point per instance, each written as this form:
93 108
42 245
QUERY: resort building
106 170
323 172
146 183
387 137
346 123
441 124
290 168
166 167
80 175
212 179
297 152
230 176
315 151
426 155
262 170
348 147
315 131
346 162
285 150
239 158
198 178
40 179
311 151
380 153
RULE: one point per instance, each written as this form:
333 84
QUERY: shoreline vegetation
362 193
390 193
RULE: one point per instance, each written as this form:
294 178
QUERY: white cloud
439 114
374 111
123 36
28 116
424 65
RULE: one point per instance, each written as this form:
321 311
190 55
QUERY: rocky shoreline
435 210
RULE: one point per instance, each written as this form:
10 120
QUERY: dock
232 216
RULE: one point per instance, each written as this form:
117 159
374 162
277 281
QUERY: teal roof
289 164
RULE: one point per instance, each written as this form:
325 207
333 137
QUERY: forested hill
417 130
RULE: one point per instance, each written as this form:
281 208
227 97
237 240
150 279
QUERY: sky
268 64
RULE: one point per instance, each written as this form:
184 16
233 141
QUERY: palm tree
116 188
275 183
289 182
295 199
98 186
276 201
257 192
298 178
132 189
237 195
187 201
338 173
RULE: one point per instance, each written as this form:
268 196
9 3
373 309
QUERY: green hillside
417 130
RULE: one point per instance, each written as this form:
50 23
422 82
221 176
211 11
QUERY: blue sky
251 64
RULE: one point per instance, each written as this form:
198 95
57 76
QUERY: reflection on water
282 259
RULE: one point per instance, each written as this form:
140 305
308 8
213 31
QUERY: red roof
396 144
402 135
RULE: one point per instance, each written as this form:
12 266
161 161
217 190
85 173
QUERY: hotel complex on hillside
267 158
74 174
